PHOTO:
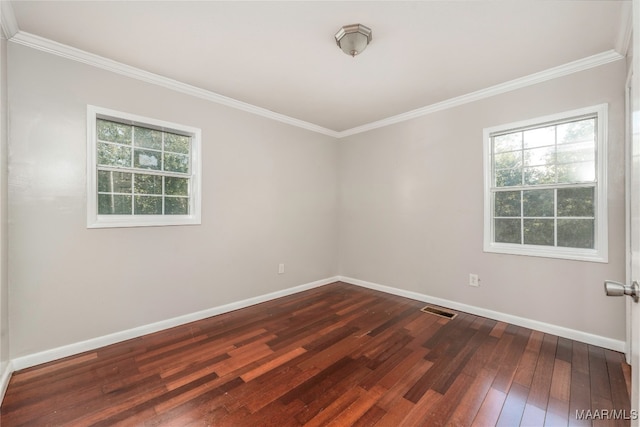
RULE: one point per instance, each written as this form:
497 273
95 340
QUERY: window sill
125 221
589 255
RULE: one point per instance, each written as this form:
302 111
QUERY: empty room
368 213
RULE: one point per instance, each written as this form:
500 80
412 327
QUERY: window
545 186
141 172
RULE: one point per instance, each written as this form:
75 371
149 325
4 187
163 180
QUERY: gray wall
4 288
411 210
269 197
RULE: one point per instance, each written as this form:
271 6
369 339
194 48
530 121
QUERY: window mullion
522 217
522 160
142 171
555 217
162 168
133 175
545 186
555 191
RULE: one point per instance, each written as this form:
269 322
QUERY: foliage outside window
141 171
545 186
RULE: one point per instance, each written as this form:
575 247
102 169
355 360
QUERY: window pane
176 163
577 172
177 143
538 232
576 233
148 184
539 137
507 203
540 156
146 159
114 182
540 175
113 132
509 142
104 182
111 204
581 152
509 160
176 206
148 138
538 202
148 205
114 155
576 201
508 177
176 186
583 130
507 230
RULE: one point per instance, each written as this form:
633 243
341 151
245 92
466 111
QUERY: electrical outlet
280 268
474 280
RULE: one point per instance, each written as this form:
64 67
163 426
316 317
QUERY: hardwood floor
337 355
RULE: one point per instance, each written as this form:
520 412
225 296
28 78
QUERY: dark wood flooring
337 355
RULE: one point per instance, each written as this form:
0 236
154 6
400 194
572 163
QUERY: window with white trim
141 171
545 186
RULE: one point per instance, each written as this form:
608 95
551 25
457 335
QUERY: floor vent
439 312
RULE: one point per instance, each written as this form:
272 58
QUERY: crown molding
519 83
8 19
623 41
68 52
65 51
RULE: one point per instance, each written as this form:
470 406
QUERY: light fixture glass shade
353 39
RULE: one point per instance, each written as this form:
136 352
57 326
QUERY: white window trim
601 251
107 221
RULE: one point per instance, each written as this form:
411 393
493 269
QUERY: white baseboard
91 344
5 376
560 331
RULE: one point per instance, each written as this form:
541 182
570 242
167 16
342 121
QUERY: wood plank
443 409
490 409
508 367
271 364
498 329
599 375
533 416
619 393
358 408
470 403
396 412
541 383
513 407
526 368
561 381
371 417
421 409
50 368
557 413
580 396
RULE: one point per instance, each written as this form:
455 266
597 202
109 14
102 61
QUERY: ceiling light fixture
353 39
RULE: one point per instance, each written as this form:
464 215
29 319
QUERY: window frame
600 251
95 220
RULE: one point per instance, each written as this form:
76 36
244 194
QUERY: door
634 207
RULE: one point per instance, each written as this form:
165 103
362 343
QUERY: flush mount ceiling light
353 39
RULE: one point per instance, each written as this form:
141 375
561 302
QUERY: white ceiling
281 56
